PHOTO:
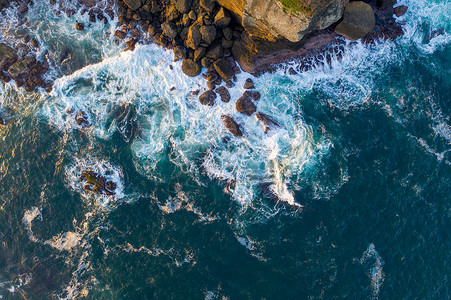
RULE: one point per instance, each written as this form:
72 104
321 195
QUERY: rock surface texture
358 21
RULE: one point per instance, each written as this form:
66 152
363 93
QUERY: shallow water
363 153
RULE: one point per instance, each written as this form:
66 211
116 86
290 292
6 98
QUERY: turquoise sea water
363 153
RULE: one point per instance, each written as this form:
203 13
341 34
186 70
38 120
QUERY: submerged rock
97 183
245 106
231 125
82 119
266 121
79 26
400 10
358 21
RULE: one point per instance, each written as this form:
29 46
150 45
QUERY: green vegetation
295 6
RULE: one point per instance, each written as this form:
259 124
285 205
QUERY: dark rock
211 85
245 106
82 119
211 75
133 4
215 52
169 30
222 18
222 66
358 20
186 21
230 84
191 67
22 67
26 38
266 121
79 26
208 5
231 125
249 84
254 95
23 8
208 33
183 6
97 183
35 43
199 53
227 33
7 57
194 37
208 98
206 62
223 93
131 44
180 52
400 10
120 34
192 15
227 43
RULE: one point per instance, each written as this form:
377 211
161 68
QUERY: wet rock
23 8
192 15
82 119
199 53
434 34
222 66
35 43
191 67
254 95
215 52
231 125
180 52
211 85
79 26
208 33
230 84
266 121
7 57
206 62
22 67
131 44
222 18
249 84
184 6
227 33
358 20
208 98
133 4
97 183
194 37
223 94
120 34
245 106
400 10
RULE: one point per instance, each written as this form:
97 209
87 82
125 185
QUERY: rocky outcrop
273 20
231 125
97 183
358 21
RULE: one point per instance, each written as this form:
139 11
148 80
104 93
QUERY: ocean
359 172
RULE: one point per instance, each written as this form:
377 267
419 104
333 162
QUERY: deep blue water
364 150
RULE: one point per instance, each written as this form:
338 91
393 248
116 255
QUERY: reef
97 183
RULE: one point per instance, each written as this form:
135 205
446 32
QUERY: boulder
191 67
7 57
358 21
215 52
249 84
133 4
79 26
400 10
208 5
222 66
208 33
184 6
180 52
199 53
169 30
206 62
254 95
222 18
82 119
266 121
223 93
208 98
22 67
231 125
194 37
245 106
120 34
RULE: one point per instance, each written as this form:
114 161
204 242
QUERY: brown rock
266 121
180 52
199 53
222 18
183 6
231 125
208 98
82 119
249 84
358 20
223 93
133 4
169 30
208 5
206 62
400 10
191 67
120 34
211 85
79 26
208 33
254 95
245 106
215 52
194 37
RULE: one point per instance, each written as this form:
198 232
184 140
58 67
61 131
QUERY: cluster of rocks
97 183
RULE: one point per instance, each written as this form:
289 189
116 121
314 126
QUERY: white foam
373 264
28 218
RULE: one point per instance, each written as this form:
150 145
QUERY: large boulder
7 57
22 67
133 4
272 20
266 121
208 33
194 37
184 6
223 94
245 106
222 18
208 98
191 67
358 21
222 66
169 30
231 125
